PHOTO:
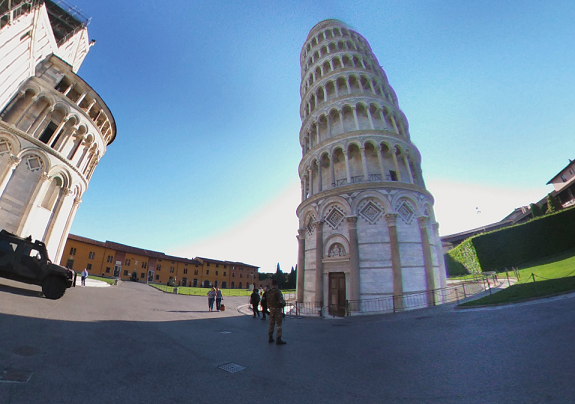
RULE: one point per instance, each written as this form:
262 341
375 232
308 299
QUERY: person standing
211 297
264 303
218 299
84 276
276 303
255 302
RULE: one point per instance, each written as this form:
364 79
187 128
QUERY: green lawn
552 275
99 278
191 291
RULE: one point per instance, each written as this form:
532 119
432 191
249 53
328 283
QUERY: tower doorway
337 294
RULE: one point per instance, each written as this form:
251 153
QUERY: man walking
276 303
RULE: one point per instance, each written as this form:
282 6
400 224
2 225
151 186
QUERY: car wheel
53 287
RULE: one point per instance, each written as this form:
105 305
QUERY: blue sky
206 99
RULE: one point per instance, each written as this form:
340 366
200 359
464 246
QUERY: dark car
26 261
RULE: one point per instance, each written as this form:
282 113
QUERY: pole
464 293
508 281
457 295
534 284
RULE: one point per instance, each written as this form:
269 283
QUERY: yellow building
110 259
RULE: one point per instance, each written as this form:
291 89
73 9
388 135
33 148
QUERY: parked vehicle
26 261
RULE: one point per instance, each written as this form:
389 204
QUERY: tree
553 204
279 276
291 279
535 210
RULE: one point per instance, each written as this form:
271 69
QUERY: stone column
427 260
406 162
310 175
319 262
393 123
381 166
391 219
332 171
354 110
341 121
354 275
69 134
302 190
57 131
328 123
90 107
47 117
7 109
300 265
347 169
305 187
324 94
319 176
25 112
8 171
64 192
364 163
81 98
347 84
439 254
370 119
75 206
396 165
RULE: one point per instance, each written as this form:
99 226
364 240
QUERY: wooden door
337 300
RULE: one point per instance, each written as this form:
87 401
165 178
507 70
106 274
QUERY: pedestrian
218 299
84 276
255 302
211 297
264 303
276 303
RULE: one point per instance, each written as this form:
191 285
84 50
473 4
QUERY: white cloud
263 239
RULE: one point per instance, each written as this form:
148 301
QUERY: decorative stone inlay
310 226
34 163
337 250
334 217
405 212
371 212
5 147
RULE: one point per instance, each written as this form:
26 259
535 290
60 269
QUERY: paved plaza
134 344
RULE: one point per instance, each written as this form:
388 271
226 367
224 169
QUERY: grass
195 291
99 278
552 275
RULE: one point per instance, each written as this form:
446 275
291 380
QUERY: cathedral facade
54 128
366 223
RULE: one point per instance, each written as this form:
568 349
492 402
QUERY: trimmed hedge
515 245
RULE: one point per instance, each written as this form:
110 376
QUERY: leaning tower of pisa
54 128
366 224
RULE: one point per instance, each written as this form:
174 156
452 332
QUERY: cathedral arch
35 159
332 201
406 207
336 246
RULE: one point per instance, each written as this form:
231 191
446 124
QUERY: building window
72 251
240 275
393 175
563 178
144 265
157 277
91 255
207 271
125 272
107 270
127 262
233 274
171 270
208 264
70 264
225 266
185 271
217 273
224 273
196 266
88 267
195 271
159 267
217 265
142 275
159 260
110 259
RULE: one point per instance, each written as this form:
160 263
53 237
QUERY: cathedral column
341 120
8 171
393 151
324 94
427 260
370 118
360 86
47 117
393 123
75 206
71 133
319 262
310 179
364 163
372 88
302 190
11 104
300 265
328 123
354 110
37 196
81 99
391 219
354 276
439 255
90 107
380 161
319 176
347 169
406 162
70 87
64 192
332 170
305 193
347 84
335 86
385 125
57 131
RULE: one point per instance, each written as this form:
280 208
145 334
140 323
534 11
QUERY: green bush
462 260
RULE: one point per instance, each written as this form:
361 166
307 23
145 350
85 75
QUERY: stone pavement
134 344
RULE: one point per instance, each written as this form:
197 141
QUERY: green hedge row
515 245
